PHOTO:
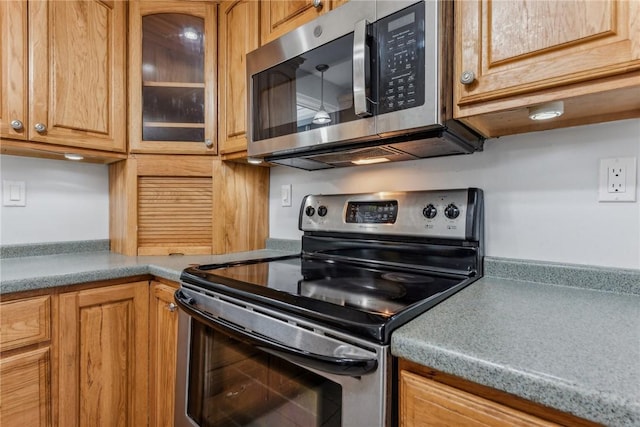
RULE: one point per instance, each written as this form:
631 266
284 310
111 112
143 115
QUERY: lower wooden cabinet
103 353
26 363
432 398
163 345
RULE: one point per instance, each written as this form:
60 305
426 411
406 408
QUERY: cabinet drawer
25 322
427 402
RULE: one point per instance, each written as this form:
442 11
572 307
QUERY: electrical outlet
617 180
285 195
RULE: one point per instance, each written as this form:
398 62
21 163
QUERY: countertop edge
531 386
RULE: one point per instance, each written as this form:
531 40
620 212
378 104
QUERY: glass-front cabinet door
172 77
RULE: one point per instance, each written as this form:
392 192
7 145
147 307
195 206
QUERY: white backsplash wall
66 201
541 193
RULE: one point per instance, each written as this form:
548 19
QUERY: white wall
66 201
541 193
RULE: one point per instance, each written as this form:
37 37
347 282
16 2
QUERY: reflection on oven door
234 384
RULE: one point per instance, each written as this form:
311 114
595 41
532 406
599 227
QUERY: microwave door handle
360 65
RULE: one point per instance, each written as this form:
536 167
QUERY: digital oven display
382 212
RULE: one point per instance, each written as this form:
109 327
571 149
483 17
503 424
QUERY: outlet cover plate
611 172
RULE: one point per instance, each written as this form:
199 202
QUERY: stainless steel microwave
368 82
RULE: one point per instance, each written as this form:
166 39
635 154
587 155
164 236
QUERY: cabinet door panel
234 46
163 340
279 17
25 391
172 77
13 68
103 356
77 60
519 47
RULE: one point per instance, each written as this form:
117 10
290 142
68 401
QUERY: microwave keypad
401 39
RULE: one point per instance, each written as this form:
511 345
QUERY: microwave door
306 98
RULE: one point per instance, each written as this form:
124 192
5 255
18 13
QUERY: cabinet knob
208 143
172 306
16 125
467 77
40 127
317 4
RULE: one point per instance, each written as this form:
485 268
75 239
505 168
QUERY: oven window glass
307 92
235 384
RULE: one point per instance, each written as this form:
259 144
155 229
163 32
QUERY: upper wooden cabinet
526 52
278 17
172 77
73 53
233 47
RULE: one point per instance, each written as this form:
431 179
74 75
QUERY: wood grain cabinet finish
103 352
528 52
426 402
432 398
63 74
232 72
173 77
26 362
278 17
162 205
163 342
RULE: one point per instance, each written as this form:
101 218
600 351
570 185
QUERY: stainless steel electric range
304 340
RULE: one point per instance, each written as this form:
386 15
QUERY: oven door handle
348 366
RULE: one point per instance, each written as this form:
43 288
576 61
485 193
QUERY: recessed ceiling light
73 156
546 111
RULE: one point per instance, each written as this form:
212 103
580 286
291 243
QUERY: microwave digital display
407 19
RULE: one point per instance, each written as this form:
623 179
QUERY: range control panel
451 214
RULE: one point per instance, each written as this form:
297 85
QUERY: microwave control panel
400 39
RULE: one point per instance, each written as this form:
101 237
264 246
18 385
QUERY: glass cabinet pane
173 77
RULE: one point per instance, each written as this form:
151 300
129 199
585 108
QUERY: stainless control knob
467 77
208 143
16 125
172 306
317 4
40 127
430 211
451 211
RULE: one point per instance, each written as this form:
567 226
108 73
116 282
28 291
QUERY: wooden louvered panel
174 215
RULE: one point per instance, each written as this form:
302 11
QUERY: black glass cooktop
368 300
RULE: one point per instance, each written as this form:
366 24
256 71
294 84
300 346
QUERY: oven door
241 365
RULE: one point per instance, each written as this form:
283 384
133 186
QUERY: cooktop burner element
369 262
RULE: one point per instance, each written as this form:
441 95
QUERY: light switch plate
617 180
14 193
285 195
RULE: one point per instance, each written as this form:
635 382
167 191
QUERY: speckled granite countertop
571 343
571 348
25 273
